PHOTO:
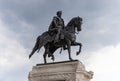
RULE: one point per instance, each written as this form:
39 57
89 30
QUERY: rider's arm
63 24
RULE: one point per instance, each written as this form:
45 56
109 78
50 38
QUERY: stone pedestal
60 71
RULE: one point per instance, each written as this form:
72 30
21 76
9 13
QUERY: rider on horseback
56 26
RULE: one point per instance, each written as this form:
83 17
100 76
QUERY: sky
21 21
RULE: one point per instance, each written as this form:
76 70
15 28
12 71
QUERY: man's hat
58 12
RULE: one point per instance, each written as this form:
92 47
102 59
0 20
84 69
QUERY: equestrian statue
59 36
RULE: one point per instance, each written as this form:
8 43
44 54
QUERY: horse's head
75 23
78 23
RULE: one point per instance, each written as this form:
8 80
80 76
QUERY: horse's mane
71 21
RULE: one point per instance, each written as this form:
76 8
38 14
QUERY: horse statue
69 32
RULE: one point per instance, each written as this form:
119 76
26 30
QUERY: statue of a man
57 25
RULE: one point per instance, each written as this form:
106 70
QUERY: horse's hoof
77 53
71 59
45 62
50 55
52 58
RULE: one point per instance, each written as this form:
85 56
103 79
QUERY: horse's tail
39 43
35 48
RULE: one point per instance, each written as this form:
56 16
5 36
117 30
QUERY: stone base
60 71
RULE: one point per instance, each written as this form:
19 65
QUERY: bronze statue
47 39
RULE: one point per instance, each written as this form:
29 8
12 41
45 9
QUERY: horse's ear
80 18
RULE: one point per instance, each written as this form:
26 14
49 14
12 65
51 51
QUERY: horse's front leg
80 46
69 49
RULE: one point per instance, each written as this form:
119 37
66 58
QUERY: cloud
14 62
105 62
13 56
